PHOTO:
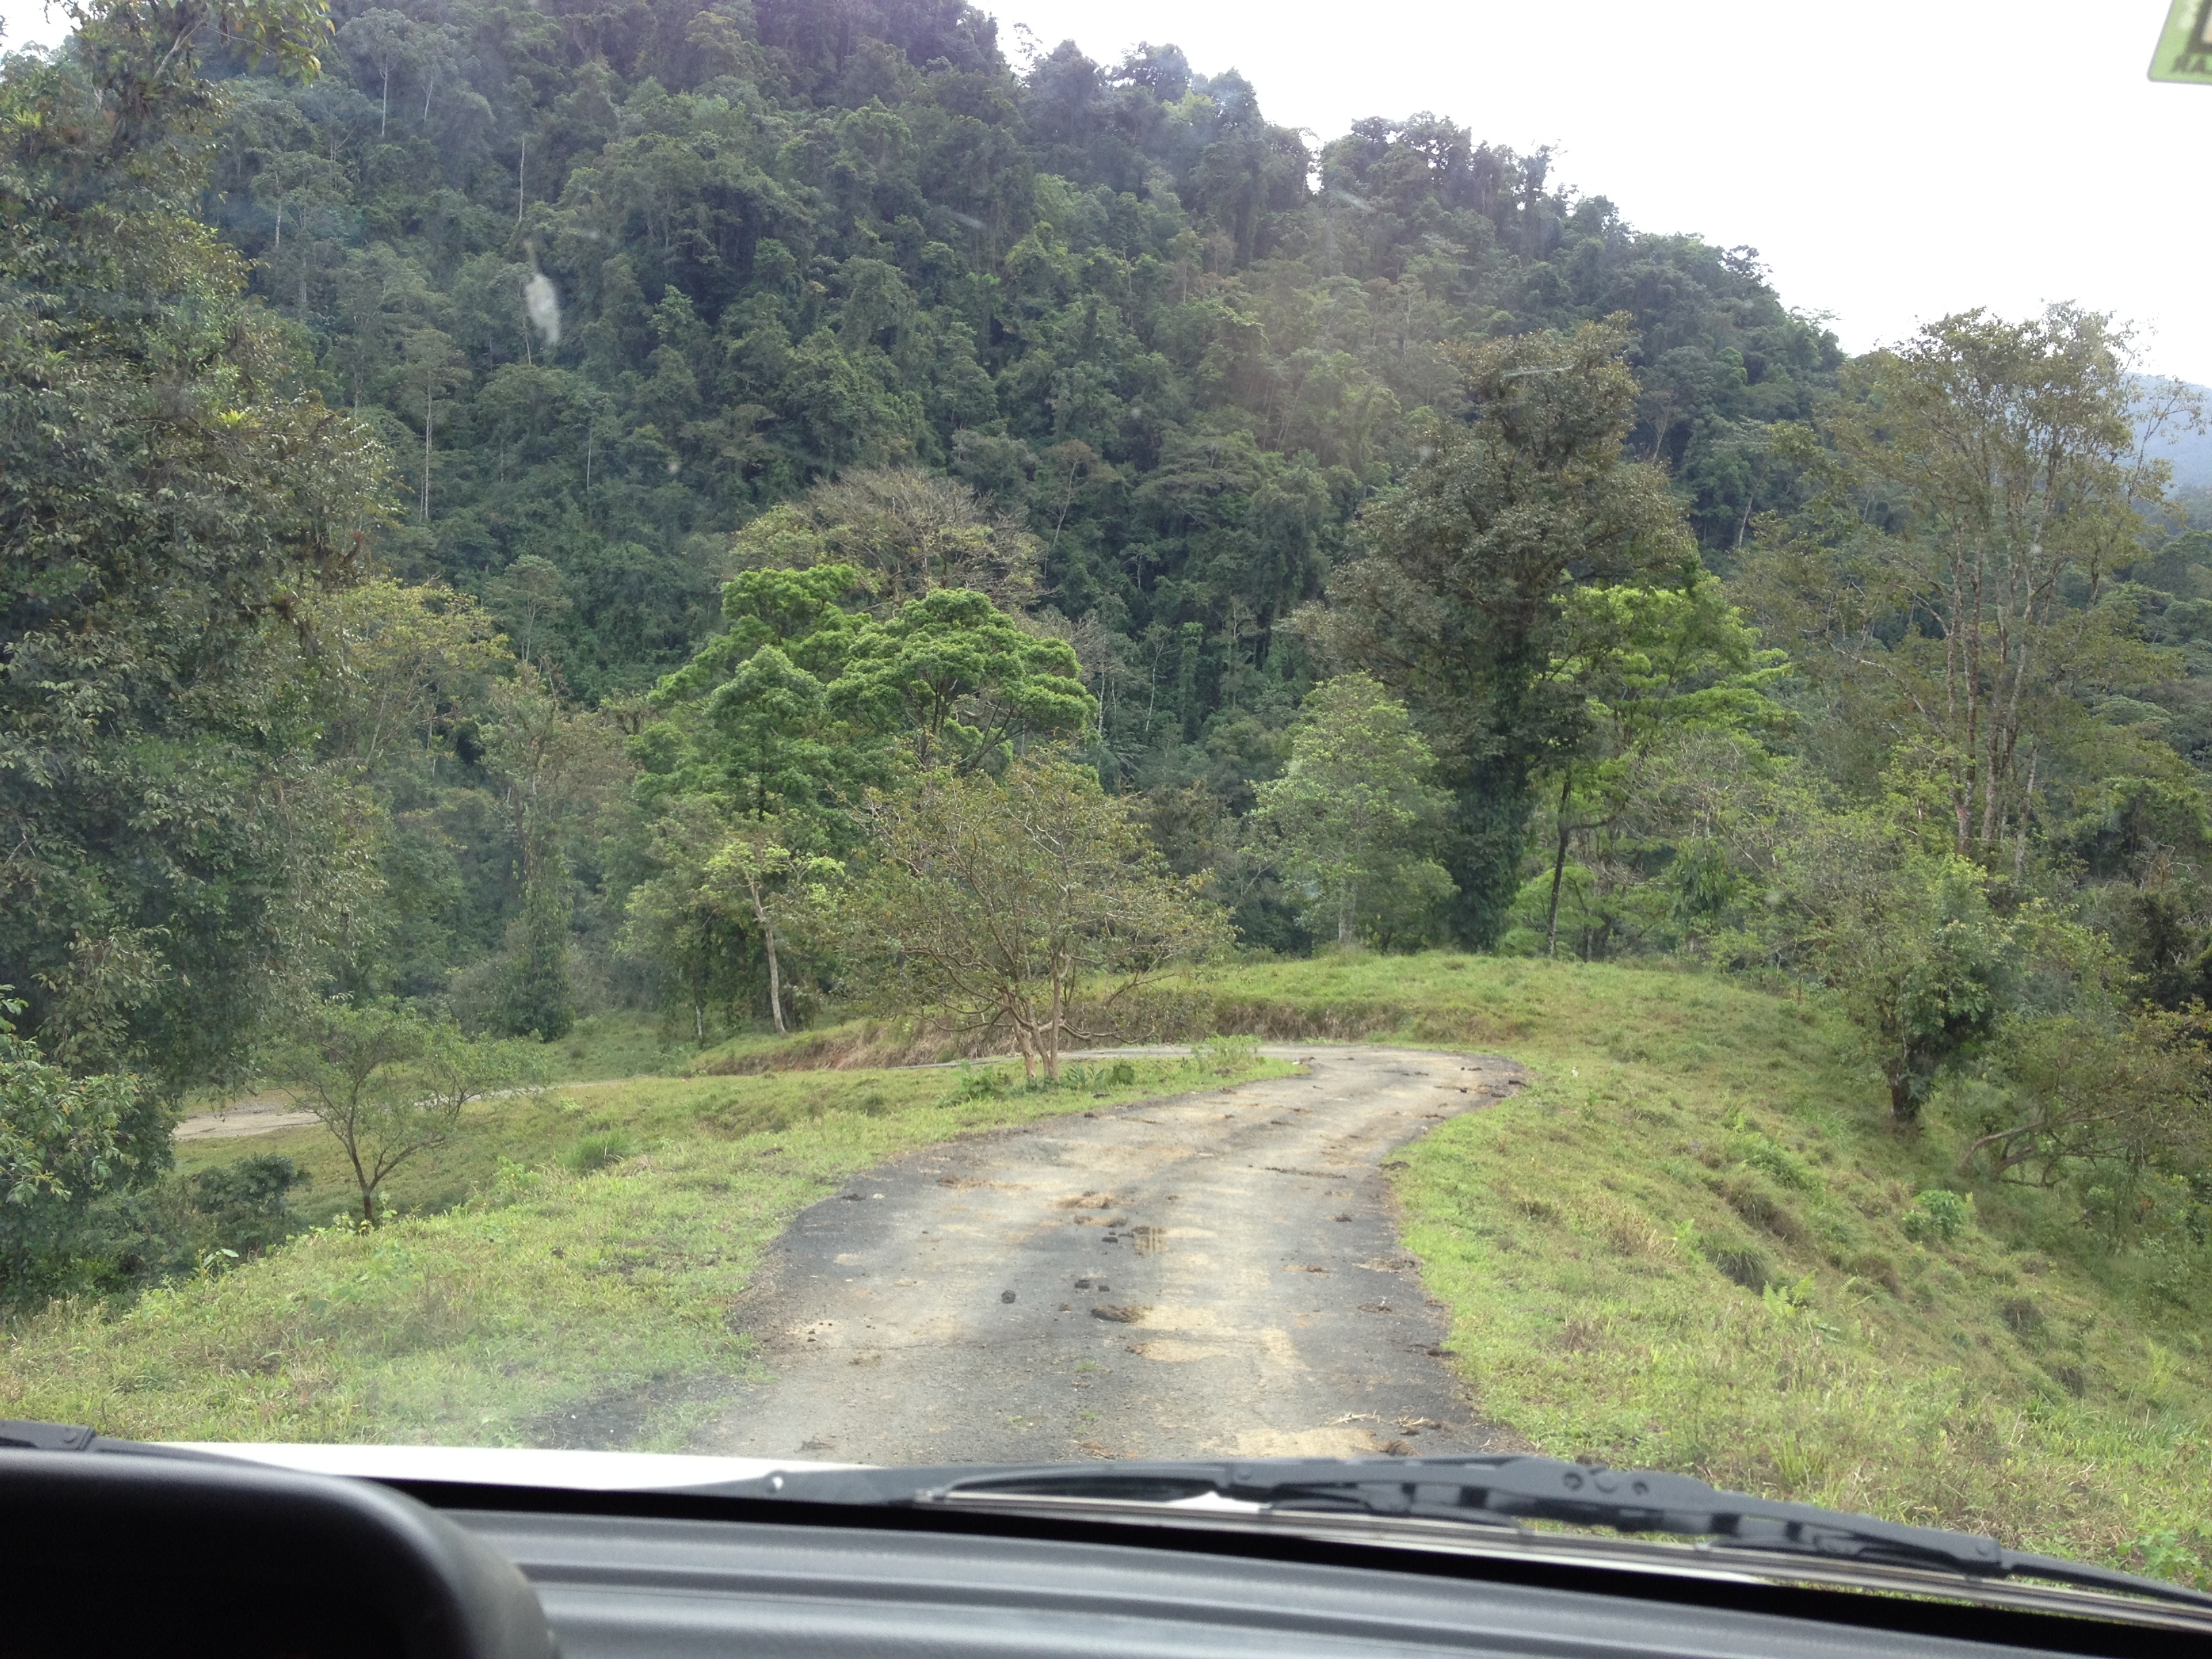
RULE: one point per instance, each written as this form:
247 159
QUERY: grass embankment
1695 1243
594 1263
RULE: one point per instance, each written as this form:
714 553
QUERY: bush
598 1150
1937 1216
1762 1152
1743 1266
1223 1055
977 1083
1120 1074
65 1142
248 1204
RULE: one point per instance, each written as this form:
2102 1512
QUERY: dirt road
1216 1273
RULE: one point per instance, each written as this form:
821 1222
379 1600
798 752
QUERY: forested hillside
608 285
779 246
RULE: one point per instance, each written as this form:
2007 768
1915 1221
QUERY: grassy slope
547 1290
2019 1380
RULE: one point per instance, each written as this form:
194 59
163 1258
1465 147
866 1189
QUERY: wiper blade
1513 1490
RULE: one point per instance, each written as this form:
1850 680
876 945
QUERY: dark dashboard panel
624 1588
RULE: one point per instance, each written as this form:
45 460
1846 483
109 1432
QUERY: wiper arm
1511 1491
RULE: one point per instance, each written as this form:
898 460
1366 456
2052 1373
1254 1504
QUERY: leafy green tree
723 886
170 494
2105 1095
1353 819
1462 602
800 702
65 1142
683 921
1653 664
754 862
526 596
1908 942
956 680
389 1083
1981 489
552 765
906 530
1004 901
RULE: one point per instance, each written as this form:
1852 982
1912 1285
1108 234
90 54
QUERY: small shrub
1787 1302
2177 1559
2021 1314
249 1202
1224 1055
873 1104
977 1083
1741 1264
1937 1216
598 1151
1763 1153
1121 1075
1763 1210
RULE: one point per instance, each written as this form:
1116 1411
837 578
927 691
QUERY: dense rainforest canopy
612 281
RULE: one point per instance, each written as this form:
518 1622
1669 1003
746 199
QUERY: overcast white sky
1891 159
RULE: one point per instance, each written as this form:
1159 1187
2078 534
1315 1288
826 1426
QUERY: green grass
1600 1239
605 1238
621 1042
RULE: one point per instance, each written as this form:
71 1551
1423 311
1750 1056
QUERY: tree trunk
1558 873
774 979
767 947
1904 1110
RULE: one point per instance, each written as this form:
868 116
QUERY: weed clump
597 1151
1224 1056
973 1083
1740 1264
1751 1200
1937 1216
1762 1152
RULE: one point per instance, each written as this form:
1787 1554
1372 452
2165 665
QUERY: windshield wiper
1510 1492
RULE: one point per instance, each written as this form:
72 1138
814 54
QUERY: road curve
1215 1275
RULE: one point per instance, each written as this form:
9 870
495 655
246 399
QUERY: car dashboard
629 1586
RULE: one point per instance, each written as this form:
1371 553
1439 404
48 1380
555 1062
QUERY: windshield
909 735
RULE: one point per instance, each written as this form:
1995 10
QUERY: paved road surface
1215 1275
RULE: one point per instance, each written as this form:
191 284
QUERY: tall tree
1353 819
169 492
1460 601
1985 481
